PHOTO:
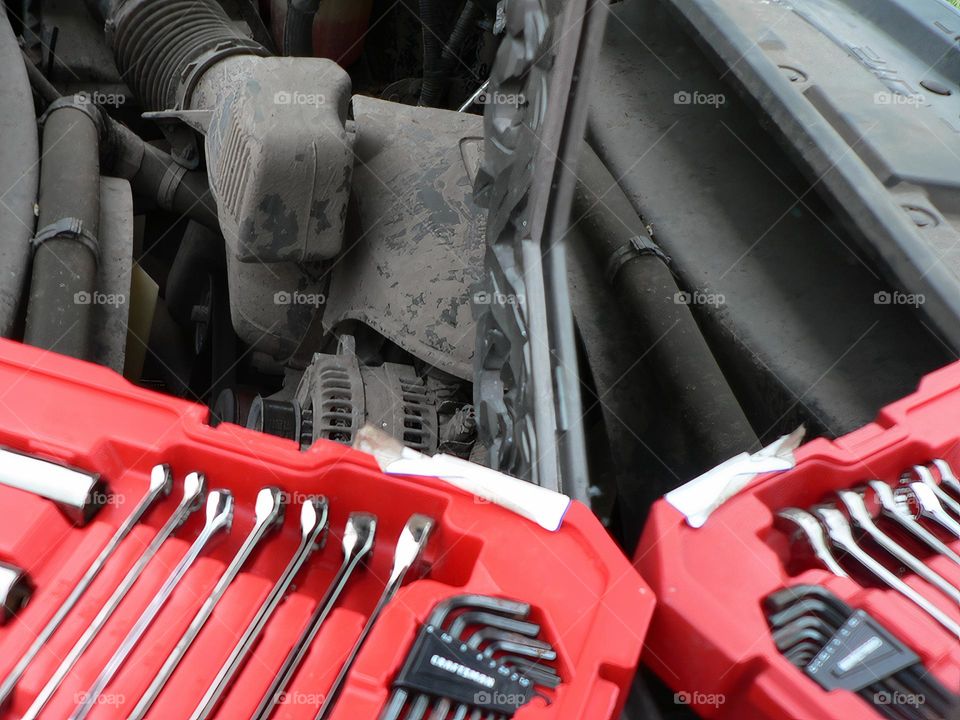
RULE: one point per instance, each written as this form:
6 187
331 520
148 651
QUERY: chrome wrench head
929 506
947 476
799 525
359 534
926 477
898 510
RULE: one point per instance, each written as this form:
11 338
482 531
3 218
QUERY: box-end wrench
926 477
898 510
929 506
856 506
79 494
797 524
313 525
269 516
838 530
947 476
161 481
219 518
410 546
194 489
359 536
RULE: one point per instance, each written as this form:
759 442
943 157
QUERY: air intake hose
162 47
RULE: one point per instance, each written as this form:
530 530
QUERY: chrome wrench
800 523
838 530
926 477
947 476
410 546
860 514
219 519
897 509
194 489
16 590
161 481
78 493
358 540
313 523
929 505
269 516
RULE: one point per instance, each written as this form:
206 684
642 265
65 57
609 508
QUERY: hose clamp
69 228
635 247
76 102
167 191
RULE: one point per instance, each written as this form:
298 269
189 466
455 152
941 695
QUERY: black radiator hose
66 244
152 172
19 175
643 282
430 32
298 27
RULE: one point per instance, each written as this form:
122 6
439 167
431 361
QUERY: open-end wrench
929 505
926 477
359 536
313 524
440 613
947 476
857 509
797 523
219 519
269 516
410 546
194 489
838 530
161 481
898 510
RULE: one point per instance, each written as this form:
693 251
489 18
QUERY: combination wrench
359 536
16 589
219 519
194 489
929 505
797 523
838 530
269 516
79 494
161 482
413 539
856 507
926 477
897 509
313 524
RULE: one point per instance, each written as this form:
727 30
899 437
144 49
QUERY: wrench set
478 658
275 583
875 525
842 648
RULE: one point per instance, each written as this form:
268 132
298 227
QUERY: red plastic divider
709 639
593 606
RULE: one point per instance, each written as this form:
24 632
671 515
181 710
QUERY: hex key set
833 585
162 568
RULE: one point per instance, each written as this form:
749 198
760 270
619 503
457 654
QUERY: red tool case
592 606
709 639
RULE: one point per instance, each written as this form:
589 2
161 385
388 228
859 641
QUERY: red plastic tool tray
709 639
592 605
